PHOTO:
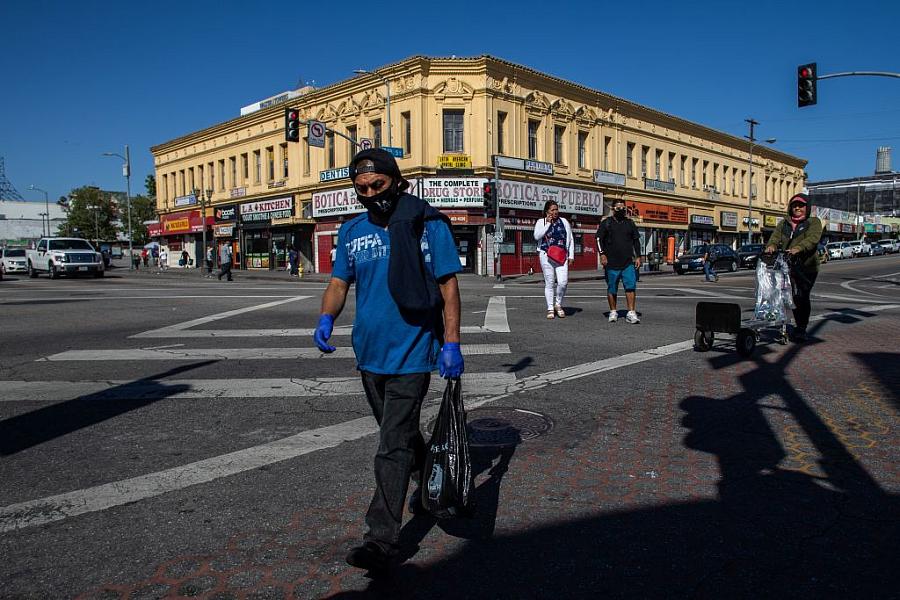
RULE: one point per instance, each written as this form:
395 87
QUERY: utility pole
752 139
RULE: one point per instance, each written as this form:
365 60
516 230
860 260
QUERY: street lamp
752 139
387 100
198 193
96 210
46 207
126 171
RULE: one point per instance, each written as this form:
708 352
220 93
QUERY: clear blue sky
81 78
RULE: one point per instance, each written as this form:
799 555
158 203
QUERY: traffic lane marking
202 354
848 285
107 298
59 391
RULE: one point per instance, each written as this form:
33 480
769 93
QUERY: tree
90 215
150 184
142 209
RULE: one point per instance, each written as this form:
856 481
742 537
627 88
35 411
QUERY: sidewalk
283 276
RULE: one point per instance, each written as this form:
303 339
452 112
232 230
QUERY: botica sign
266 210
531 196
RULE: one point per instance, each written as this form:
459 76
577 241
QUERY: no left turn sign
317 134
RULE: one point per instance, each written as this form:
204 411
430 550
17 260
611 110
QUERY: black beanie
377 160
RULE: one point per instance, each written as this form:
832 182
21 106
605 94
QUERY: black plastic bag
447 478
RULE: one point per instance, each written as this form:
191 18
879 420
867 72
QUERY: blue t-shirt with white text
382 340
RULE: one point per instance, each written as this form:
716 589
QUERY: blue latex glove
450 363
323 332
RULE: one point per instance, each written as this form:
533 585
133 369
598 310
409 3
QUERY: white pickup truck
64 256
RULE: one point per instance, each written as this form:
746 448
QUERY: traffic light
806 85
490 198
292 124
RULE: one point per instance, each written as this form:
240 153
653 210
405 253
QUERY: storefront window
509 242
529 246
256 249
579 243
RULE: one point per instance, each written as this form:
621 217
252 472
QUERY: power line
842 140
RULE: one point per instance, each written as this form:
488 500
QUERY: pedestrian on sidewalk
799 235
293 257
145 257
210 259
225 255
163 259
709 262
556 251
619 245
402 257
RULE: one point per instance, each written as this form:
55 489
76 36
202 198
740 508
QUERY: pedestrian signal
806 85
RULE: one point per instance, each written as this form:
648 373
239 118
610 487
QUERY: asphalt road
175 435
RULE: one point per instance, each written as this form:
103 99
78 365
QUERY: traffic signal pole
498 227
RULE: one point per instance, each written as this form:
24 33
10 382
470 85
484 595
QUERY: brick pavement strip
737 479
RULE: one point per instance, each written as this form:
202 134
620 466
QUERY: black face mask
619 213
381 205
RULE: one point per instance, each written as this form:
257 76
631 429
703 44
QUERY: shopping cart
773 297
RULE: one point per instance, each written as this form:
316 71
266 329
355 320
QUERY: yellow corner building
451 121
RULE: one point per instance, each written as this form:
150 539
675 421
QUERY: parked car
876 249
748 254
14 260
861 248
890 246
726 258
837 250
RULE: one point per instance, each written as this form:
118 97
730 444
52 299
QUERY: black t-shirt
619 241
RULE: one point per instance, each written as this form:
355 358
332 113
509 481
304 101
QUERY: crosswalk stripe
198 354
495 320
187 389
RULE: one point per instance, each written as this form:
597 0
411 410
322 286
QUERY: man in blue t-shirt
396 348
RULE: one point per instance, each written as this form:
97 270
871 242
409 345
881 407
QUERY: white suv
890 246
861 248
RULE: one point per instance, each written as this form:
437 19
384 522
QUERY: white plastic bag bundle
773 291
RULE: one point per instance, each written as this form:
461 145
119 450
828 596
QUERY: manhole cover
498 426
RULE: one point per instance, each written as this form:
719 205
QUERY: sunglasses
376 186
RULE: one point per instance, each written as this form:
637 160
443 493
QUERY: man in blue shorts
402 257
619 245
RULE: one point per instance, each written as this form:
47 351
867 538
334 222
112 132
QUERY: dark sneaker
370 556
799 336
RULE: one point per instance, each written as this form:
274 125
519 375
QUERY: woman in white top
164 259
554 235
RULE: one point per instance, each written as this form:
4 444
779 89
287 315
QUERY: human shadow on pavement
519 365
823 529
50 422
